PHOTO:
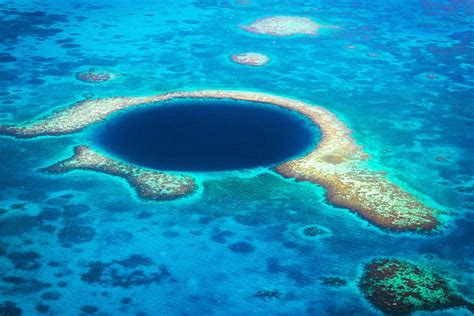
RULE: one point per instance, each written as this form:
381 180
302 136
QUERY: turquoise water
399 74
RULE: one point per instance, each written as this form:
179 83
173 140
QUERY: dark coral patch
7 58
7 76
23 286
51 296
42 308
38 24
242 247
293 272
333 281
74 233
27 260
18 206
312 231
89 309
171 234
268 294
70 45
220 236
9 226
36 81
49 214
133 271
9 308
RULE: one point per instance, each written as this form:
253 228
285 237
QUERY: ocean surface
398 73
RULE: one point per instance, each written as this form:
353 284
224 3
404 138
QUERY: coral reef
28 260
267 294
285 26
337 163
313 231
399 287
242 247
333 281
148 183
250 59
133 271
96 75
9 308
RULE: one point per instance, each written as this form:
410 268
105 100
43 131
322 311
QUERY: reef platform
400 287
337 162
149 184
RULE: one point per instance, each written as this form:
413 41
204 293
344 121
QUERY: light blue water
405 90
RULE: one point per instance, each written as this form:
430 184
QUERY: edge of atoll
149 184
337 162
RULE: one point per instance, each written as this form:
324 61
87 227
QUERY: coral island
337 162
250 59
400 287
285 26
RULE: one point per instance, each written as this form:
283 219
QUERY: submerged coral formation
313 231
268 294
333 281
148 183
95 75
400 287
135 270
285 26
337 163
250 59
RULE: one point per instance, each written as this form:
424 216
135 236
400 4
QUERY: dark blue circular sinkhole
206 135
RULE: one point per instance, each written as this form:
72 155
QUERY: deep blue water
207 136
398 73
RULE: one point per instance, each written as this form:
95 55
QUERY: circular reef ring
337 163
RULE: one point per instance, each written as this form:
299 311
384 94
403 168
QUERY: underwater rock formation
400 287
285 26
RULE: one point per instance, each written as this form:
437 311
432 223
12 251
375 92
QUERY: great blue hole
206 135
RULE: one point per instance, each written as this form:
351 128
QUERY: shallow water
399 74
